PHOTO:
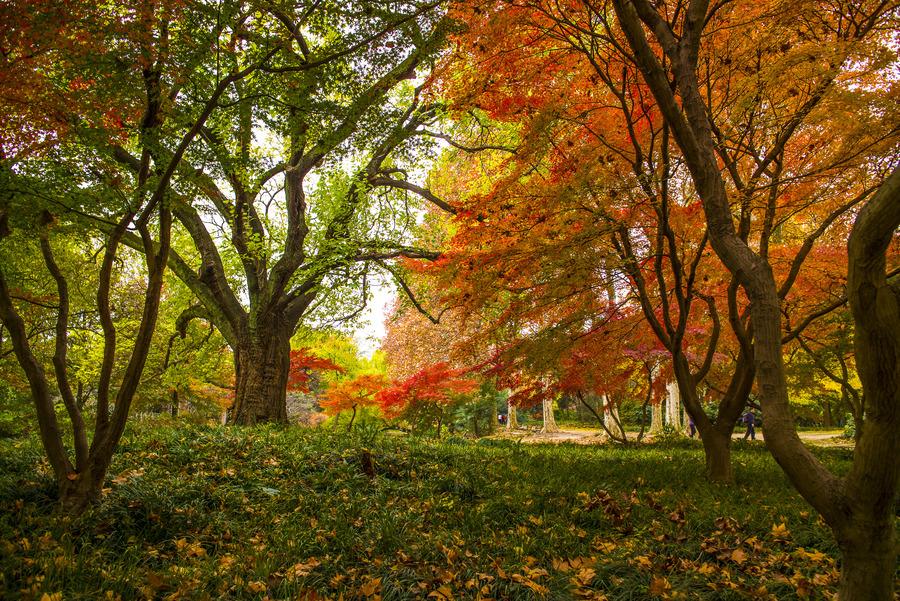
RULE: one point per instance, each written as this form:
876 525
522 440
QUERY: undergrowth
196 512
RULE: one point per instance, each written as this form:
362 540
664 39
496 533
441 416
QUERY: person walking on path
749 420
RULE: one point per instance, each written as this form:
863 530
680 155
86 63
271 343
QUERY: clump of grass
286 513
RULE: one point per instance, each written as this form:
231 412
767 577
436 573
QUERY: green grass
287 513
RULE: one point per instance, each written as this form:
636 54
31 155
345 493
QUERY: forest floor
586 436
194 512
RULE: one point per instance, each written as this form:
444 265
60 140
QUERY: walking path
825 438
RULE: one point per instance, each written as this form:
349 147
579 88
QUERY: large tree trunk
78 491
717 447
868 558
867 538
512 419
549 419
262 365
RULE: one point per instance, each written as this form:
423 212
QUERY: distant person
692 427
749 420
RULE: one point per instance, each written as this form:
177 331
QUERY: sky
370 333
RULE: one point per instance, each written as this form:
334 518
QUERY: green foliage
849 428
16 415
246 513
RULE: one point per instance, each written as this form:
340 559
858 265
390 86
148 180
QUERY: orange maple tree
350 395
425 396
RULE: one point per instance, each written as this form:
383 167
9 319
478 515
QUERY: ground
825 438
291 513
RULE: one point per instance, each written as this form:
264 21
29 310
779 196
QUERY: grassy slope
289 513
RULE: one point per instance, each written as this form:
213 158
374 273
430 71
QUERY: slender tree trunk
352 417
262 365
827 420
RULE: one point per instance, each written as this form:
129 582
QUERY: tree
79 481
859 509
72 172
329 97
350 395
629 210
302 363
424 398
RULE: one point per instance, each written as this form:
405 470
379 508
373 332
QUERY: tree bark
352 418
717 448
512 419
549 419
867 539
262 365
656 417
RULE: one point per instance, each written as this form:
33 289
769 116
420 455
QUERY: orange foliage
350 394
436 384
303 362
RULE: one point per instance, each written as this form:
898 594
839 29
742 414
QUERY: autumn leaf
643 562
780 532
584 577
443 592
301 569
371 587
738 556
525 581
659 586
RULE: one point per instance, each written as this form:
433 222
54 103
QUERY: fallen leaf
442 592
659 585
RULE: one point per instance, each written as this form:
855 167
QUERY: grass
285 513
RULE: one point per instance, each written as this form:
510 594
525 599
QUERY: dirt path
826 438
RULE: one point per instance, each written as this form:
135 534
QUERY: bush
849 428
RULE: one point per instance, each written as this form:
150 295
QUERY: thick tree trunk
717 447
512 420
262 365
868 558
78 493
549 419
656 418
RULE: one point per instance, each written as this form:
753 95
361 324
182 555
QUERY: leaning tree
860 506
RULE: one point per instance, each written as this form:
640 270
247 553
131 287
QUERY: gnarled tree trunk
262 364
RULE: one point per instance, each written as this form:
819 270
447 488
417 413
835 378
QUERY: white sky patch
370 333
